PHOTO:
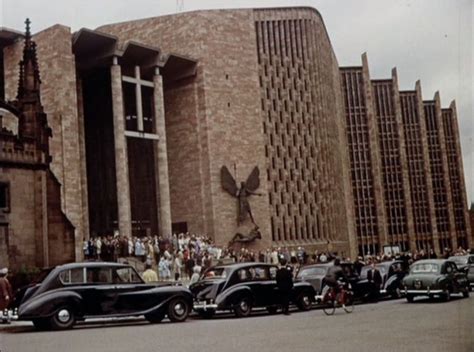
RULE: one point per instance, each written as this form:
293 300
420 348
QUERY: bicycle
332 300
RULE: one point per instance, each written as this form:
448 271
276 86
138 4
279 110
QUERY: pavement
385 326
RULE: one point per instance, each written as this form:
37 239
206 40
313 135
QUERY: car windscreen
425 268
314 271
215 273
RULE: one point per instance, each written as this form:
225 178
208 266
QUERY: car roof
91 265
318 265
461 256
433 261
388 262
236 266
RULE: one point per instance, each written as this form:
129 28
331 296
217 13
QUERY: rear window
312 272
126 275
425 268
99 275
72 276
215 273
258 273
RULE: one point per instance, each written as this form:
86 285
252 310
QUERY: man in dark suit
284 280
375 281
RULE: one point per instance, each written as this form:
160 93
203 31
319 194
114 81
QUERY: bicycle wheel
329 307
349 302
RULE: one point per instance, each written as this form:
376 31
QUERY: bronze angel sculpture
246 189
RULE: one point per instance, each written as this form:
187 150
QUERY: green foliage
28 270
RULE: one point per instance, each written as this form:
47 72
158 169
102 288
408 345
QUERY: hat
4 271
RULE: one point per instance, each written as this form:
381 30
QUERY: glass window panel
99 275
148 109
130 106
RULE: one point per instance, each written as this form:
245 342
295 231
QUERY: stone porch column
161 158
121 157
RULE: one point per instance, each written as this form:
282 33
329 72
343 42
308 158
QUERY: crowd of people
184 256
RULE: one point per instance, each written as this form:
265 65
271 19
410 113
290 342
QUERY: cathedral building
144 115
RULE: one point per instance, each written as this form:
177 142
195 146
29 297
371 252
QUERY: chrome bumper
7 316
424 292
204 306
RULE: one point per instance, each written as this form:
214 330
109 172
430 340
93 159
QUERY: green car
435 277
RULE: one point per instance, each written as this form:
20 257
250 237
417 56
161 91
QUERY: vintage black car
315 274
435 277
392 273
77 291
241 287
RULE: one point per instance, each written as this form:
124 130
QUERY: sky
430 40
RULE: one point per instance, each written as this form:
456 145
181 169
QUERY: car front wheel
410 298
304 301
178 310
64 318
243 307
465 293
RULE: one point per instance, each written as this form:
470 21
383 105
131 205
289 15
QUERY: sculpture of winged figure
243 192
252 236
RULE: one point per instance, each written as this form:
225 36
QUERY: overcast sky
430 40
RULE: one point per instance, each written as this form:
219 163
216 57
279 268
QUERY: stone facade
347 163
58 96
301 119
205 116
208 125
35 231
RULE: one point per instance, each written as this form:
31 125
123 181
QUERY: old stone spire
29 81
33 122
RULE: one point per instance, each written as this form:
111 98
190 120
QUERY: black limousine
71 292
241 287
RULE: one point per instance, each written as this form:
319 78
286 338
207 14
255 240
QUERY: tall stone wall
228 126
58 96
23 221
302 117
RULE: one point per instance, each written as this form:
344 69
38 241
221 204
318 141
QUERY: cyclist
335 276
